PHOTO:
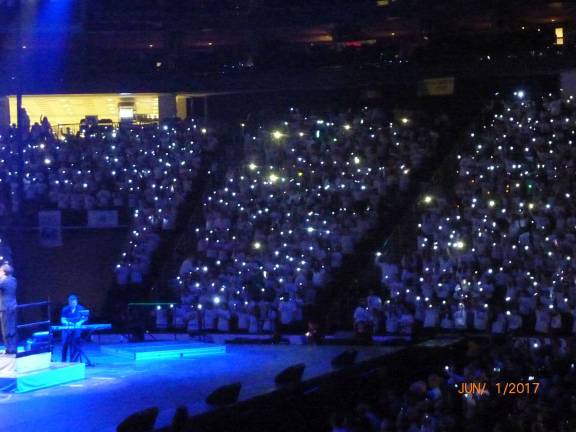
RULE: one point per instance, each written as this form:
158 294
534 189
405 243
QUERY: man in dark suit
8 286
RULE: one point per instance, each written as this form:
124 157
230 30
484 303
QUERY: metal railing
36 323
62 129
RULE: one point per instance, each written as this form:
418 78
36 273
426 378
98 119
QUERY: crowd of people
142 171
286 216
541 399
495 253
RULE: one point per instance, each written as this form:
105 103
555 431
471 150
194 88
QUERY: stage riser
10 364
215 338
178 354
151 352
57 374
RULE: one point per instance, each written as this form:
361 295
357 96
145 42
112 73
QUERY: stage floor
117 386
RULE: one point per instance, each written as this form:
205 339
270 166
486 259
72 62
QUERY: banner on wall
50 228
102 218
568 83
436 87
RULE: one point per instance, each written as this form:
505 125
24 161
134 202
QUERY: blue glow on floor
106 397
56 375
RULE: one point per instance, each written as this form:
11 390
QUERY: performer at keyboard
8 287
73 315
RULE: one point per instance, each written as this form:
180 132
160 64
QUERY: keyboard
84 327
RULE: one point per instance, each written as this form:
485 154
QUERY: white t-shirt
243 321
499 324
374 303
446 323
542 321
135 276
361 314
193 324
253 328
270 322
388 271
336 260
525 305
209 318
460 319
347 243
297 314
186 267
391 322
122 274
286 312
514 321
405 323
480 319
224 320
319 278
430 317
556 322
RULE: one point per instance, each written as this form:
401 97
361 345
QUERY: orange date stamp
499 388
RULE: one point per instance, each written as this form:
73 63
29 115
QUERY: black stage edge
308 406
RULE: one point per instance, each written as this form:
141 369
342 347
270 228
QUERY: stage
118 386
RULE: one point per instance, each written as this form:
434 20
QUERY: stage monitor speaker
141 421
290 376
225 395
39 342
344 359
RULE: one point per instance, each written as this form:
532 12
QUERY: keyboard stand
82 357
79 355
